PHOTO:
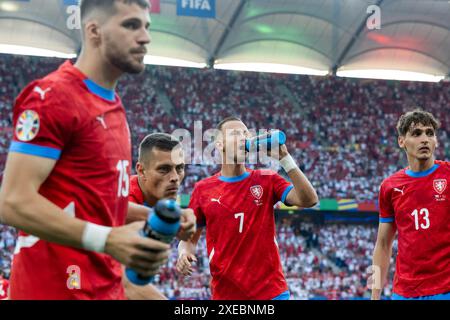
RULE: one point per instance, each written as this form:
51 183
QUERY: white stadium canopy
294 36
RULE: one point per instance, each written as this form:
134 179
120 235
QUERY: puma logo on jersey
101 119
399 190
216 200
41 92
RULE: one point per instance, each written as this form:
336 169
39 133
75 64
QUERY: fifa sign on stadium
197 8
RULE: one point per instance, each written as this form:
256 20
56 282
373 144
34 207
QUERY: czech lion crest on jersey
27 126
440 185
257 191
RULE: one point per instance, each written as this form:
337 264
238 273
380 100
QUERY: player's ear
92 32
401 142
140 170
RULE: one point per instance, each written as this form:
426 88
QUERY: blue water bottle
265 141
163 224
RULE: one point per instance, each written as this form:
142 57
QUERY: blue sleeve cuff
387 220
286 192
35 150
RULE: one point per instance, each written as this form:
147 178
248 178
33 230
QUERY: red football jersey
136 194
4 285
239 217
69 118
419 205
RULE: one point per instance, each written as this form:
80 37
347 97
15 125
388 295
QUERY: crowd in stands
8 238
341 132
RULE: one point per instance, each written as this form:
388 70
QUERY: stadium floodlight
166 61
9 6
390 75
270 67
32 51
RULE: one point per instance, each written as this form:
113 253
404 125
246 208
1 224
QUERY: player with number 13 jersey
416 203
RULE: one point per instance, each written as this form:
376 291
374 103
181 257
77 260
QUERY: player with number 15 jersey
67 117
67 175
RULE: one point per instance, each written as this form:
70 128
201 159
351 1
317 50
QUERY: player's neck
417 165
101 72
233 170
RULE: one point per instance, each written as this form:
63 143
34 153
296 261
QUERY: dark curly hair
417 116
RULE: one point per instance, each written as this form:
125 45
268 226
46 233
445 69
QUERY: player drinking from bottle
236 206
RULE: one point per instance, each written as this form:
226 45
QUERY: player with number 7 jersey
415 202
236 206
240 233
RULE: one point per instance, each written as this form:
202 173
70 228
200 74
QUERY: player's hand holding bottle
144 255
265 143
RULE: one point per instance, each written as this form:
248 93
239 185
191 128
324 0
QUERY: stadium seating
341 131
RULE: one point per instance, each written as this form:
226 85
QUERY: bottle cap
168 210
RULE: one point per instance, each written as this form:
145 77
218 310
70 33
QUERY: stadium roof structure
295 36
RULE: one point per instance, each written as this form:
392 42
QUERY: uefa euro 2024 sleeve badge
27 126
